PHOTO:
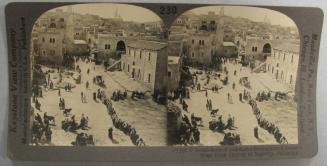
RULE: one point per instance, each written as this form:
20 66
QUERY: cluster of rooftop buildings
148 56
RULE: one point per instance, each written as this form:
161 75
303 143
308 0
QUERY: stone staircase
259 68
114 66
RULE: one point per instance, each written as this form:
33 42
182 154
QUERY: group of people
265 124
220 126
122 125
209 105
68 87
231 139
188 132
62 104
119 95
215 88
99 81
83 139
100 94
180 93
263 96
41 131
71 124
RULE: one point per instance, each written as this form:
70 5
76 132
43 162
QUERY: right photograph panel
232 74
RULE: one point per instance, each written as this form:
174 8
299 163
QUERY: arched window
52 25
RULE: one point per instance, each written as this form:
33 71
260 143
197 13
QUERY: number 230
168 10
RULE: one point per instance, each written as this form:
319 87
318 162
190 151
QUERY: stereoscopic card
161 82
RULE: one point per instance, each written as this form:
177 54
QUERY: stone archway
120 48
266 50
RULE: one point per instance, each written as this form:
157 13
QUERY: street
281 113
146 116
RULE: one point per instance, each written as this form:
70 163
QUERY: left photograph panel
98 77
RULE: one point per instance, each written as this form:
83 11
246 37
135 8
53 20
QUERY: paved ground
282 113
148 118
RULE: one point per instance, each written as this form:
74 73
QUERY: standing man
82 97
110 135
256 134
87 84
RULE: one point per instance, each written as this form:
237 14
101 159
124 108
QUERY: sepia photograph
168 82
103 75
98 77
233 81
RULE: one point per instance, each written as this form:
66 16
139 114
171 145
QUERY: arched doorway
266 50
120 48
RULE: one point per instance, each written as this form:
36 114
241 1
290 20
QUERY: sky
139 14
127 12
252 13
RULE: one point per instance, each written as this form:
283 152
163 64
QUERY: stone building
108 44
175 54
81 48
51 47
174 72
146 62
229 35
202 37
257 48
229 50
202 46
55 37
283 63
